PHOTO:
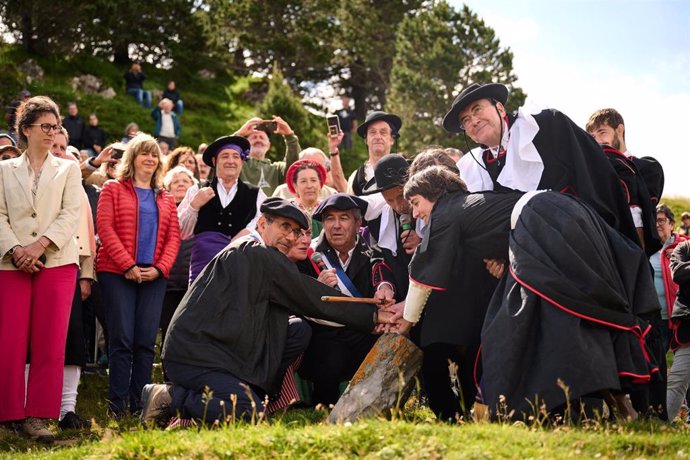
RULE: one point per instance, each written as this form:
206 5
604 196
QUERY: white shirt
188 215
167 127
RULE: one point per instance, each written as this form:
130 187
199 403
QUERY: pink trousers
34 314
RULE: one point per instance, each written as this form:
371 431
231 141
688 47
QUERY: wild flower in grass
567 415
206 397
233 400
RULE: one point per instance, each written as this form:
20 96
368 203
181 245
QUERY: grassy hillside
213 107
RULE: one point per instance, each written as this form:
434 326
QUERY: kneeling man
232 332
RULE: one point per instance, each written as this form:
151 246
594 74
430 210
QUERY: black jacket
235 315
367 268
75 129
94 135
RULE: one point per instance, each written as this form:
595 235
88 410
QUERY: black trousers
451 394
189 383
333 356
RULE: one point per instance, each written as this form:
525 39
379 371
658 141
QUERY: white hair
170 175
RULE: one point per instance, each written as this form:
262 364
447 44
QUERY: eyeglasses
286 228
661 221
474 113
47 127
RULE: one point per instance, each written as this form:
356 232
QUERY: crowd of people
541 264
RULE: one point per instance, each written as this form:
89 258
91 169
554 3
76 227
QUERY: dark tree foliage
156 31
366 47
438 52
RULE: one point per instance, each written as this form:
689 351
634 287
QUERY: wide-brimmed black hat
393 120
341 202
241 144
474 92
389 172
276 206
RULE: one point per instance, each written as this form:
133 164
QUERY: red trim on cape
435 288
634 329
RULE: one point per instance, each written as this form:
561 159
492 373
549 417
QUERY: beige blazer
54 213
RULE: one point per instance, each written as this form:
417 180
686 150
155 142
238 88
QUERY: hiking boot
36 429
155 399
72 421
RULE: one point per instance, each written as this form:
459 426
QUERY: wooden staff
331 298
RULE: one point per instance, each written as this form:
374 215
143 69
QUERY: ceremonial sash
344 283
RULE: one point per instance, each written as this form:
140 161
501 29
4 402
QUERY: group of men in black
526 270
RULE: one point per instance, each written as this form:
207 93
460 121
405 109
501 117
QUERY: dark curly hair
29 111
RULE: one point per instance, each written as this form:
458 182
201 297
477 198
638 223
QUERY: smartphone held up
333 125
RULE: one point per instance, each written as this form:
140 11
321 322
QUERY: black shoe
72 421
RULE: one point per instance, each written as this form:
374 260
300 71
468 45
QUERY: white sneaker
155 399
36 428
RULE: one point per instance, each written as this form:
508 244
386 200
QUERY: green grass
304 434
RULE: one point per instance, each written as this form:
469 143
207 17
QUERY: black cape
573 164
235 315
637 194
464 229
567 310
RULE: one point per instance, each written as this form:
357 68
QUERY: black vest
231 219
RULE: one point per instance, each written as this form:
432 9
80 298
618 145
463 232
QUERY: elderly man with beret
232 338
222 210
335 352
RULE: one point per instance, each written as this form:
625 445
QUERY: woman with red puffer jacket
140 237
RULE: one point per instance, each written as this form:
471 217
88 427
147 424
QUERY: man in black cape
565 322
546 151
592 338
232 333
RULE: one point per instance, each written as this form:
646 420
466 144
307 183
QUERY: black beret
276 206
341 202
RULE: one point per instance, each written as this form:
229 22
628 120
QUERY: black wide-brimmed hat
389 172
341 202
276 206
393 120
240 144
474 92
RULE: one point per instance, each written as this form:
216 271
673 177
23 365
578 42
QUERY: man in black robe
563 251
546 151
335 352
232 331
566 322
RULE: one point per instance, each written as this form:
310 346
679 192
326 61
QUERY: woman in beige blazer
40 201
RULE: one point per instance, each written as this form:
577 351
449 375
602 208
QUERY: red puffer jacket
117 216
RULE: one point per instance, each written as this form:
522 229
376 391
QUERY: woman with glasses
666 288
140 237
40 202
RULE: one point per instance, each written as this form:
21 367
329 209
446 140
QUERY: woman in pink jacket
140 236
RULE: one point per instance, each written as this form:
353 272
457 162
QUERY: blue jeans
143 97
189 383
179 107
133 312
